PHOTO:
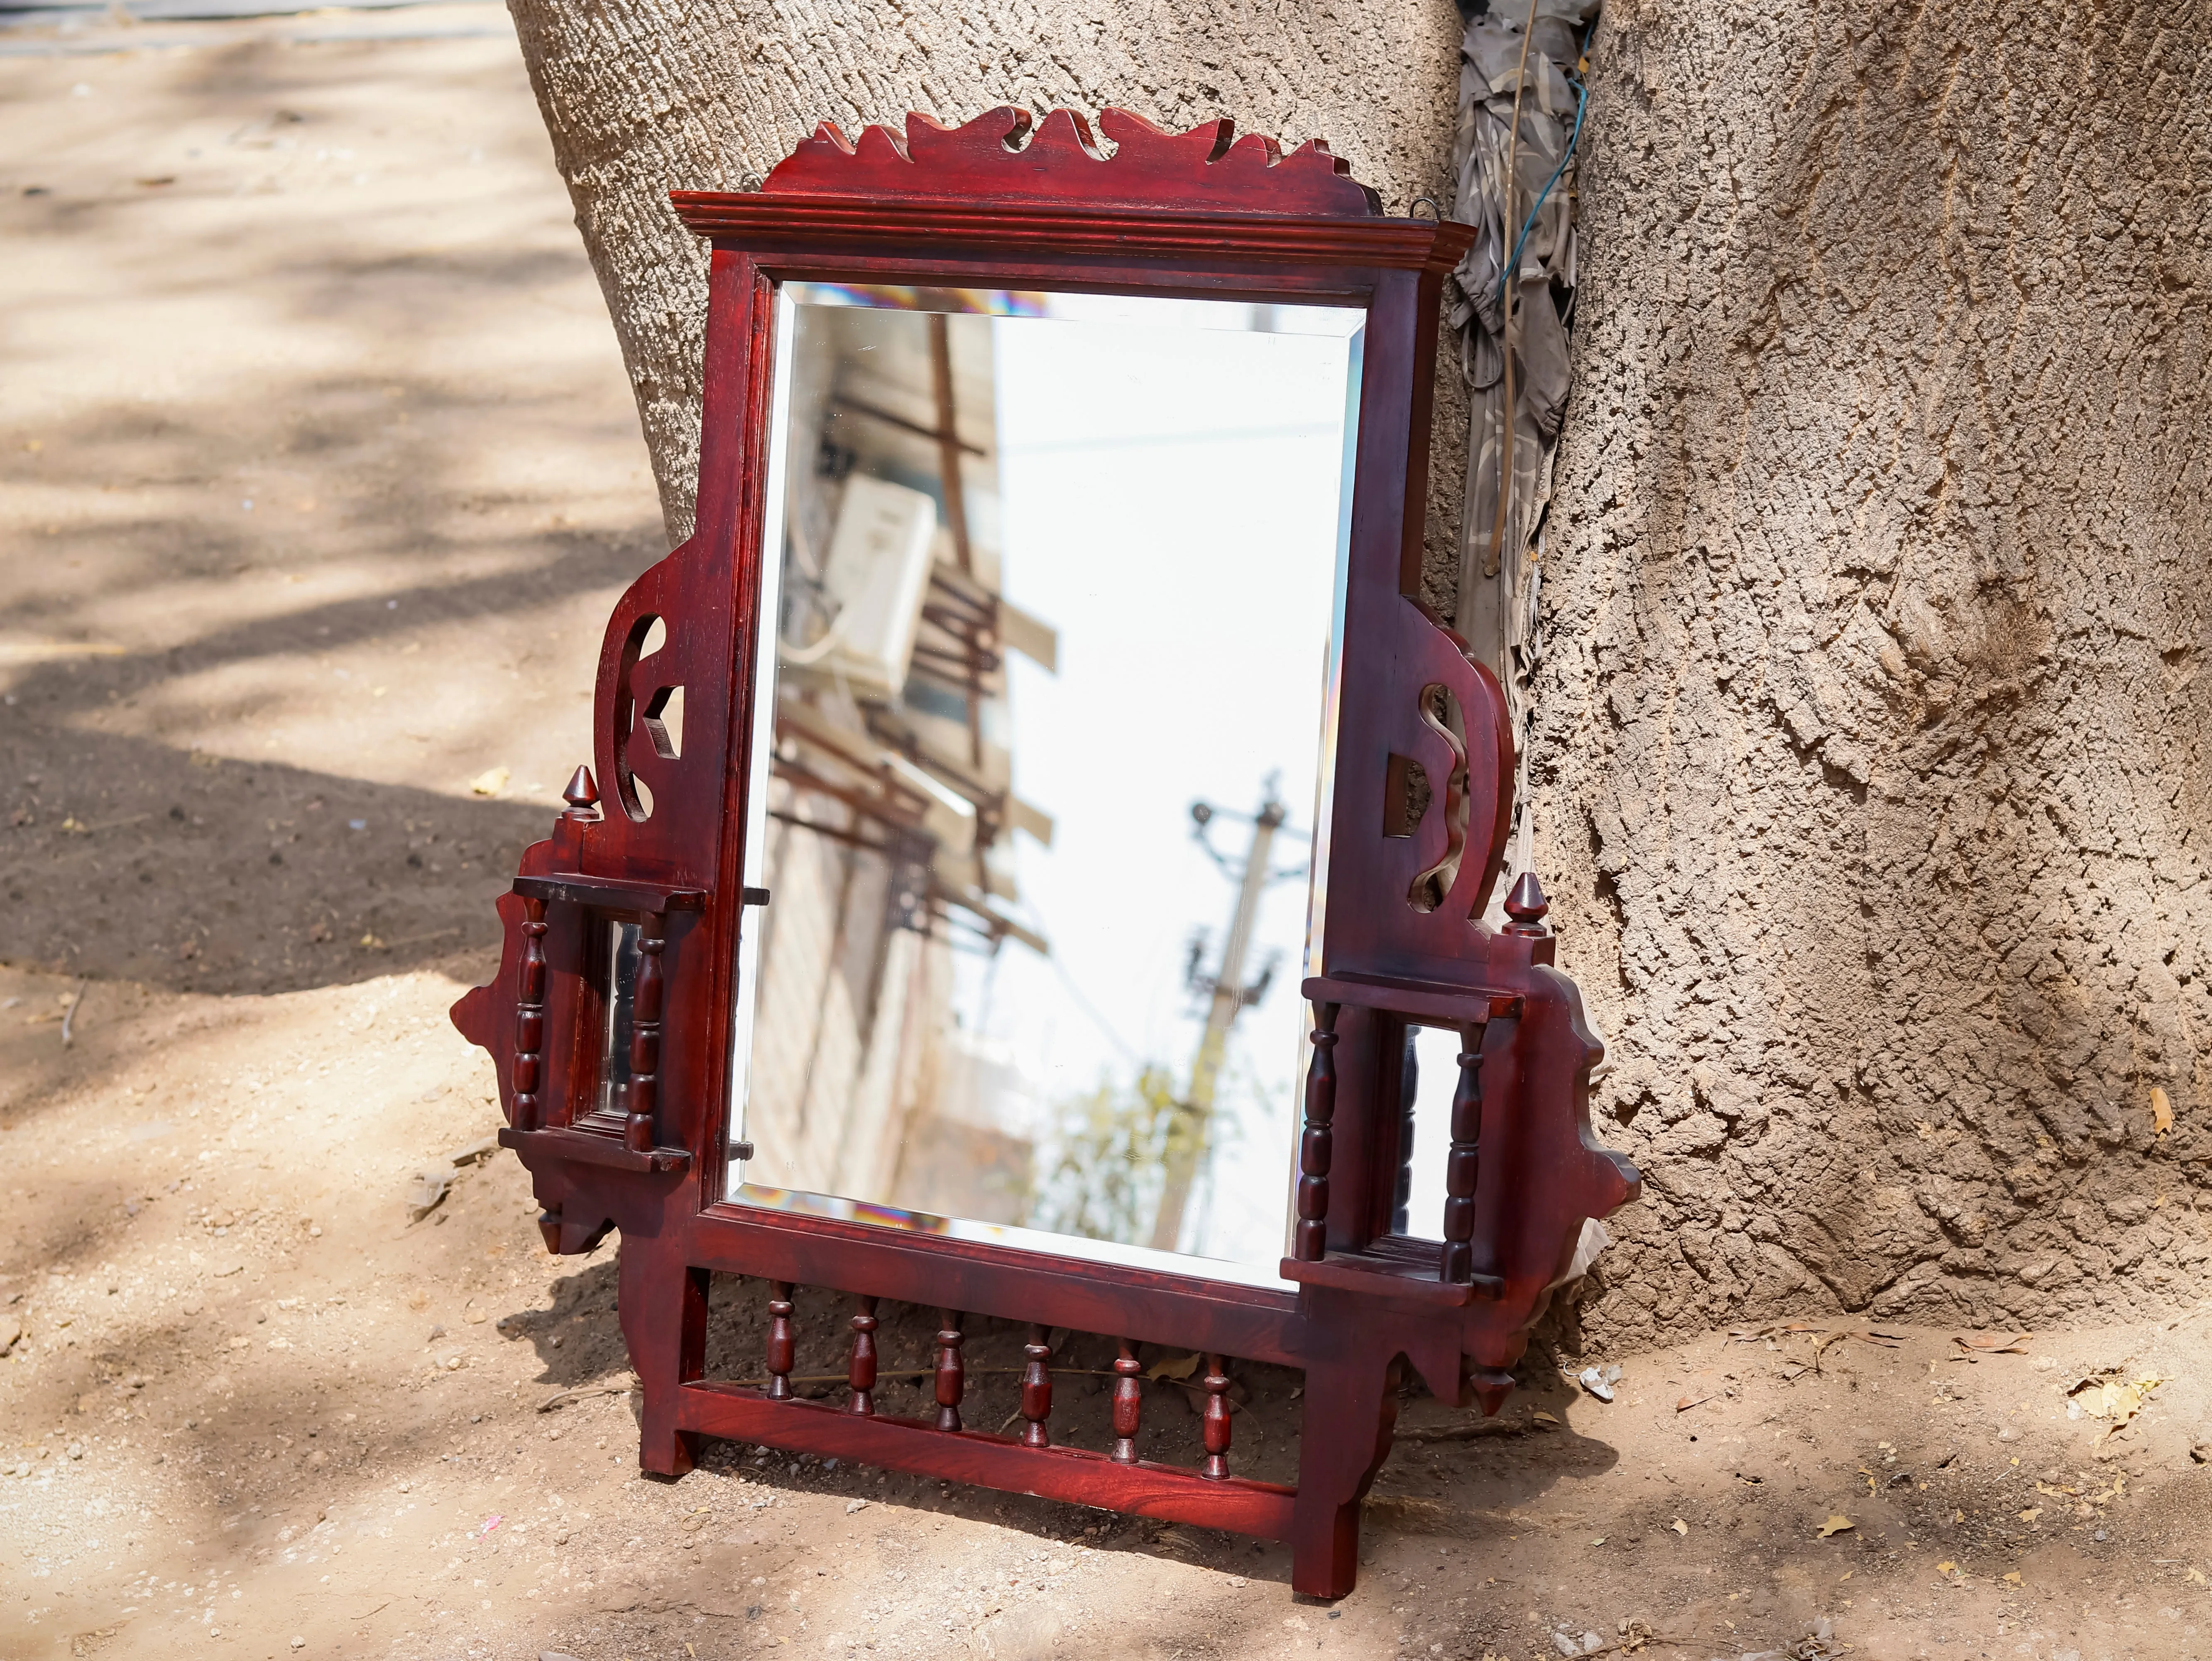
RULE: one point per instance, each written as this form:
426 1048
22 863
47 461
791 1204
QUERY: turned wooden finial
1525 905
582 795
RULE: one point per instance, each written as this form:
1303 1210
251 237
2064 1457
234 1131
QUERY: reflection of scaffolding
908 822
893 812
890 409
890 805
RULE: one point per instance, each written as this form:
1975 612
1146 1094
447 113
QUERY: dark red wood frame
1188 213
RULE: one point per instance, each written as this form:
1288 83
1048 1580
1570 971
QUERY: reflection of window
935 701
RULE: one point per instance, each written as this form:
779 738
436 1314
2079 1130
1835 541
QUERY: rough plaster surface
1870 748
644 96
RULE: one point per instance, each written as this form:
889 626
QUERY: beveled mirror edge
978 279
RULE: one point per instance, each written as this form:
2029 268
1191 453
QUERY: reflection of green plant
1109 1158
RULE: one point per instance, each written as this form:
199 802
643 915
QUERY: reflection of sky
1171 508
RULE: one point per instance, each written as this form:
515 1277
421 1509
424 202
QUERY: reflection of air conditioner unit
875 577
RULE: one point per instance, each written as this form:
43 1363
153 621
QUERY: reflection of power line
1104 1026
1227 993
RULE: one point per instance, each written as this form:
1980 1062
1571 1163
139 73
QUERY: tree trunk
1869 748
1868 755
646 96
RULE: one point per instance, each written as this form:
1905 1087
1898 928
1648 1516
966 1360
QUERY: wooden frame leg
664 1323
1337 1463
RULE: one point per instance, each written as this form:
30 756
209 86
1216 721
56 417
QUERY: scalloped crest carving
996 155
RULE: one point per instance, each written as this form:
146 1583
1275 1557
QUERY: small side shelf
610 894
1391 1281
584 1148
1415 999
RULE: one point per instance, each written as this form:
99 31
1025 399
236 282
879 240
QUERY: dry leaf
2030 1514
1689 1402
1544 1419
1680 1527
1836 1525
490 782
2162 1110
2111 1399
2013 1579
1946 1566
1182 1367
1993 1343
2197 1575
1888 1339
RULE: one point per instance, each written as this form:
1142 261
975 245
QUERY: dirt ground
318 472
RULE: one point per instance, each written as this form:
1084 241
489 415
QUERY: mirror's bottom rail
1078 1476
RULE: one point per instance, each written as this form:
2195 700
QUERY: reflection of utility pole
1229 995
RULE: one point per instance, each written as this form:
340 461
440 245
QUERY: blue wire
1582 102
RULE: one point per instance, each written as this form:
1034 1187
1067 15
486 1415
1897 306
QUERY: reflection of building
890 800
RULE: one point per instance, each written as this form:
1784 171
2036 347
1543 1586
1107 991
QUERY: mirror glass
1054 580
1425 1131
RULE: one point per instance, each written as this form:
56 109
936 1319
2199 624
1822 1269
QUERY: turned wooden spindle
1317 1145
1217 1420
1036 1389
1128 1403
1463 1164
952 1375
782 1348
645 1039
530 1018
860 1373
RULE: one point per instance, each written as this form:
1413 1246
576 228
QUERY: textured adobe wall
1871 733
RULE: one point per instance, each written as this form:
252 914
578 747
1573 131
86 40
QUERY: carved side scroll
1408 884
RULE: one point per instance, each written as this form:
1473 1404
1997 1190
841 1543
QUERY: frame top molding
997 156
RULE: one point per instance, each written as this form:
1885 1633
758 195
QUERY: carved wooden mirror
1044 849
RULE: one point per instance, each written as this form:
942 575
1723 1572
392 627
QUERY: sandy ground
318 472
